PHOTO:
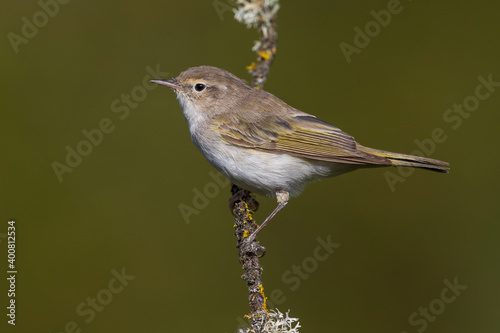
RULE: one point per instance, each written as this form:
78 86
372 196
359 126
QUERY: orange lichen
251 66
266 55
261 291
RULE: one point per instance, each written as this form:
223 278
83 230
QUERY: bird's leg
282 197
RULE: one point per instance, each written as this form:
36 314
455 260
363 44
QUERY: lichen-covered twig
243 206
260 14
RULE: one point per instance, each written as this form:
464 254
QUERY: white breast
260 172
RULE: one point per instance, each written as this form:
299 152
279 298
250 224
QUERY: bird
262 144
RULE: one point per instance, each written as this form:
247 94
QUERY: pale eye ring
199 87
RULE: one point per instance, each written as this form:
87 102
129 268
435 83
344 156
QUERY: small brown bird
264 145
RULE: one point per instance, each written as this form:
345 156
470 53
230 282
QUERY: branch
260 14
243 205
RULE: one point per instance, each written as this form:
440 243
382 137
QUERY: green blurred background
119 208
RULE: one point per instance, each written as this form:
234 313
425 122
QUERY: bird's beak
172 83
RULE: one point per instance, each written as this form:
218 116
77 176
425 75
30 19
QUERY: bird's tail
397 159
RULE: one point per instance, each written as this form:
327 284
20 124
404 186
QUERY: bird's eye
199 87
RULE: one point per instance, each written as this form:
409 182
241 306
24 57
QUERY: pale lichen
251 12
277 322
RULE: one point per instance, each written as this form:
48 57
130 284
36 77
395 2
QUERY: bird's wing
300 135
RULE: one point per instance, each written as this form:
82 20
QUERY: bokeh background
119 209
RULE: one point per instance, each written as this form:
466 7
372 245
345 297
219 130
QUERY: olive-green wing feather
306 136
299 135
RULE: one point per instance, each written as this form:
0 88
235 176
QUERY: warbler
264 145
